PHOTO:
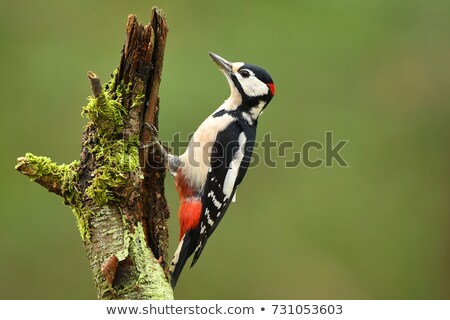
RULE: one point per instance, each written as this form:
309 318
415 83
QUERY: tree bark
116 189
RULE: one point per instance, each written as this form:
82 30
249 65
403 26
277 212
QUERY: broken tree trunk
116 189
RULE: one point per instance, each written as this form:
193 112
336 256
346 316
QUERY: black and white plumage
208 174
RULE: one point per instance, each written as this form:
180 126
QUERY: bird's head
250 85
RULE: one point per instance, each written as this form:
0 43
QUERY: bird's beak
223 64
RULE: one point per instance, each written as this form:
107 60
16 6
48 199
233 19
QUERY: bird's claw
152 128
155 143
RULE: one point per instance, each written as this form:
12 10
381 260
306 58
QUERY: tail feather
185 249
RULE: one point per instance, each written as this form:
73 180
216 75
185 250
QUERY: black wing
230 155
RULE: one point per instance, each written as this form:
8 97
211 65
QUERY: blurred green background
376 73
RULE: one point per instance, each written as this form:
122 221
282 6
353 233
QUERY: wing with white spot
230 158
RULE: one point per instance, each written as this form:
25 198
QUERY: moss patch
106 113
63 179
45 168
116 153
118 159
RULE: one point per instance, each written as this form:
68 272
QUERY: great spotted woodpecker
208 173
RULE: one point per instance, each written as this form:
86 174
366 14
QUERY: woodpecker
211 169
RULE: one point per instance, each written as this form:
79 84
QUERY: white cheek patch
252 86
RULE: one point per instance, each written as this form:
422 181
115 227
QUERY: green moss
45 168
123 90
106 113
116 154
118 160
83 215
112 82
65 175
138 100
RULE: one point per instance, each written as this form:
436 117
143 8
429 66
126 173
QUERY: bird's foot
155 145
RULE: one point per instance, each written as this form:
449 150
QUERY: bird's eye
244 73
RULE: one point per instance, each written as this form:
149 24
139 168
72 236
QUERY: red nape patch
271 88
189 214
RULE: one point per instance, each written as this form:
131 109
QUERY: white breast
196 159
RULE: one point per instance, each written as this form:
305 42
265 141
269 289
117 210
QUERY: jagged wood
116 189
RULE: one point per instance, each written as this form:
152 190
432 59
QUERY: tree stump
116 189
